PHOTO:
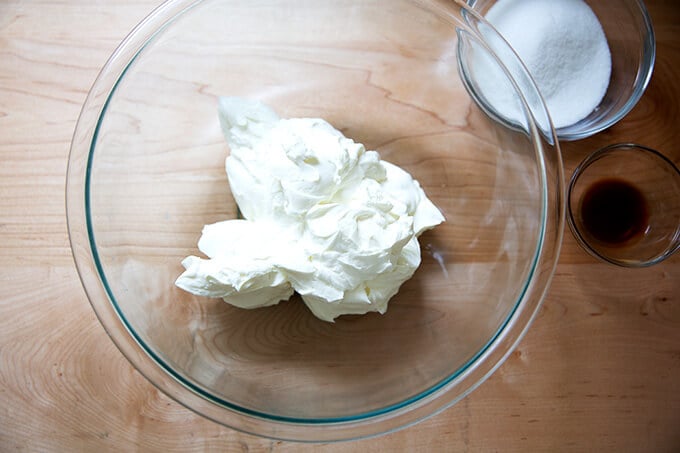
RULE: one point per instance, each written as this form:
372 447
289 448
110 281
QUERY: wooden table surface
599 369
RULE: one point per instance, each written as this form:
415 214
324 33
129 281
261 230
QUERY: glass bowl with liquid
624 205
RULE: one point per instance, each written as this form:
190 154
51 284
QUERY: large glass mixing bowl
146 172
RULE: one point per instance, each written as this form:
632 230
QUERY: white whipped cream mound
324 218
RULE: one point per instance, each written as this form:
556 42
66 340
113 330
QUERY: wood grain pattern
598 371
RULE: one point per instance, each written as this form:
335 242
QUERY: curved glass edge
78 161
389 419
515 71
553 209
592 158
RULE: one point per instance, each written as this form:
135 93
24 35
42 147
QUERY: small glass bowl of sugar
590 60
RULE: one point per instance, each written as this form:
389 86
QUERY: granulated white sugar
563 46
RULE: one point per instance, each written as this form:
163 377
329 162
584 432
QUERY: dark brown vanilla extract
614 211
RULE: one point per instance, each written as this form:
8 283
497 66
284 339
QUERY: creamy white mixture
323 217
